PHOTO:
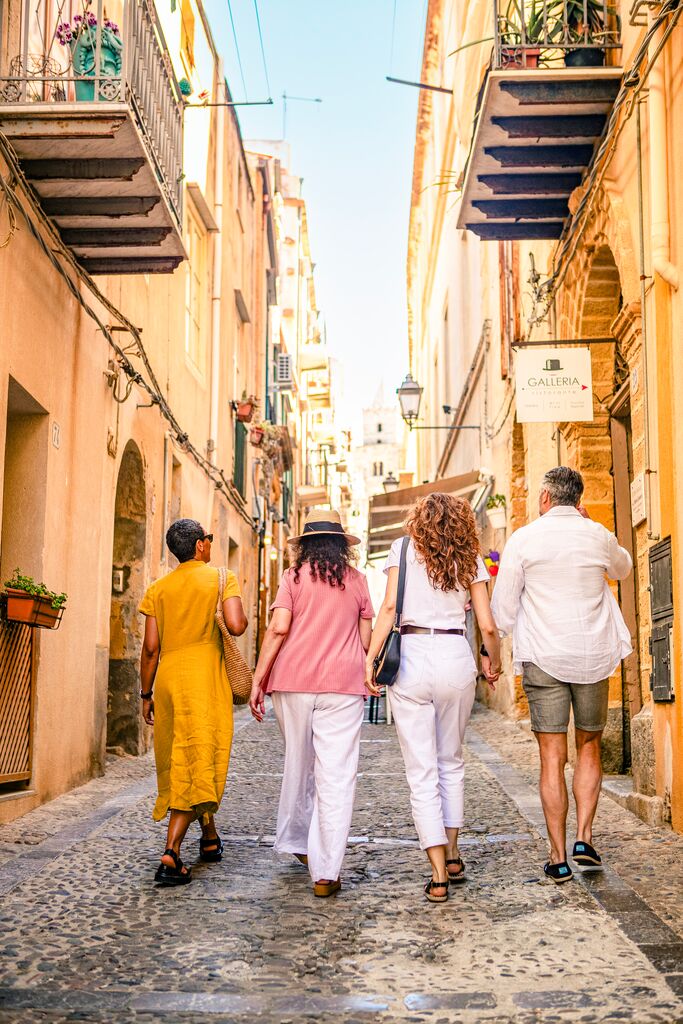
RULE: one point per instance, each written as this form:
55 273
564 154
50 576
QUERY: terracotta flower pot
256 436
31 610
522 58
245 411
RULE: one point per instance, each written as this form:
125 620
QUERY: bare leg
437 858
452 851
553 787
587 782
209 833
178 824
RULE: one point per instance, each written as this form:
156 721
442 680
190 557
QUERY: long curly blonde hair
444 532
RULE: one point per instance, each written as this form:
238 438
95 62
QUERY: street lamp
409 396
390 483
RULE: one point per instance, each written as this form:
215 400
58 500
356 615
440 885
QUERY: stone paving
86 936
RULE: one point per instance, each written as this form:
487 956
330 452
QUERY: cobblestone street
87 937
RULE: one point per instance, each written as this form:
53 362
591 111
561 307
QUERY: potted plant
492 562
522 28
80 36
256 435
32 603
244 409
586 26
496 511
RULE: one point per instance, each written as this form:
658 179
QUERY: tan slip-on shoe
326 888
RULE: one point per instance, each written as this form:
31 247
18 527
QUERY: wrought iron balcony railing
554 33
68 58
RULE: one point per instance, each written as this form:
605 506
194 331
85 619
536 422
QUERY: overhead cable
237 47
263 52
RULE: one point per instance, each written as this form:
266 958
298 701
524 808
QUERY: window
239 474
187 35
379 428
195 294
378 469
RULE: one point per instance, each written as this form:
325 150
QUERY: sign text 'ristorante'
554 385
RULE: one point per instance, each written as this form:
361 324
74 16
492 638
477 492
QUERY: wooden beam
541 156
134 265
552 126
115 169
568 93
99 206
517 232
531 184
113 238
522 209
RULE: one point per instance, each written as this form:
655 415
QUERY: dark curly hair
328 558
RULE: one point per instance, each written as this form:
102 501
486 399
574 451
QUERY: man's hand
148 711
489 673
581 509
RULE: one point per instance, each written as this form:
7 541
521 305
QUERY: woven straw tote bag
239 674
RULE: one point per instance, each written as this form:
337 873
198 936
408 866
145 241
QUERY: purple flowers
68 33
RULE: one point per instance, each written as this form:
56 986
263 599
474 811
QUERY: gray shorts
550 700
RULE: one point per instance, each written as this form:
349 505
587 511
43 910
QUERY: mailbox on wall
662 608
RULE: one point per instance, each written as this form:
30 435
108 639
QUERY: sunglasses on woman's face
209 537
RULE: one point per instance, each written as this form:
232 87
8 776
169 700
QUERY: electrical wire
237 48
263 52
393 39
57 251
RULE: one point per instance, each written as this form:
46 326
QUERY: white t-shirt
425 605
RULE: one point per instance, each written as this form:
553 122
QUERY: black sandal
585 854
559 872
458 876
431 884
211 856
172 876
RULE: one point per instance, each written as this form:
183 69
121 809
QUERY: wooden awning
388 511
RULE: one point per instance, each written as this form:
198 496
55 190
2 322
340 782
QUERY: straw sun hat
321 521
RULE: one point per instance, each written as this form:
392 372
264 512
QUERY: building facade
139 318
545 210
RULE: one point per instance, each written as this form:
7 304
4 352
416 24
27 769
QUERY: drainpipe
216 274
659 172
163 558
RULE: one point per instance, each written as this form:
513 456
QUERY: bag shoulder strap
401 579
222 577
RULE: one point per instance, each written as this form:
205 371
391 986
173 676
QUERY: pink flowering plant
68 33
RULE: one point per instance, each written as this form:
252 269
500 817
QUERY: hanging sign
554 385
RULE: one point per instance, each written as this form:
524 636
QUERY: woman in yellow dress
186 694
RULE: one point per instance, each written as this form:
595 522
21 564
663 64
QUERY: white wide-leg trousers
322 742
431 702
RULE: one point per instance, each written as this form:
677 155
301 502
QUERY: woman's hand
148 711
370 684
491 672
257 700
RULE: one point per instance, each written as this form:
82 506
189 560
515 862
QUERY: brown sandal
326 888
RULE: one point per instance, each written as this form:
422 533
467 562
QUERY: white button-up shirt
552 595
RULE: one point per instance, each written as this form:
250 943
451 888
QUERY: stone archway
125 729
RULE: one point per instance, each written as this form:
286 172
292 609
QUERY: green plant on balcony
585 23
81 36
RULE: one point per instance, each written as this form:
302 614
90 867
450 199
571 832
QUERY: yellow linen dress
192 696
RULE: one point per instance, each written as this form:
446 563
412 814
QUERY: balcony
94 113
542 109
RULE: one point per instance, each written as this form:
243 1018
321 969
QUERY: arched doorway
603 452
125 729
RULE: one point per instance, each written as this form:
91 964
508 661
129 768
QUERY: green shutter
240 462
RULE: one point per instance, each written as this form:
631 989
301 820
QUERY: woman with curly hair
432 696
312 665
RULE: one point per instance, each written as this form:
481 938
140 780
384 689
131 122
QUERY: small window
379 428
239 473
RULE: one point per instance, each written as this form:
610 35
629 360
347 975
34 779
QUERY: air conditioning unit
284 371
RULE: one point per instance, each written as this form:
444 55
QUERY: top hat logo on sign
552 365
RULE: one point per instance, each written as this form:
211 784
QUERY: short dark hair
564 485
182 537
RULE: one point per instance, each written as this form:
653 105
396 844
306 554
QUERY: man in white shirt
568 637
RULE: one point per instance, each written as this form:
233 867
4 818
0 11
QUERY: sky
354 151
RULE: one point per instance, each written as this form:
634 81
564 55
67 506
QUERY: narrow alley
88 937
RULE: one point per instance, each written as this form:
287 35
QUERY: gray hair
564 485
182 537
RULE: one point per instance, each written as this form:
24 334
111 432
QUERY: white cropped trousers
431 702
322 742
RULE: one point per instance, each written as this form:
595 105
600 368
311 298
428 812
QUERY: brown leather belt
424 630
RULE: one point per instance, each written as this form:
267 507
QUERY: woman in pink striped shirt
312 663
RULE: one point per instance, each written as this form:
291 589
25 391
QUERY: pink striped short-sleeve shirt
322 652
